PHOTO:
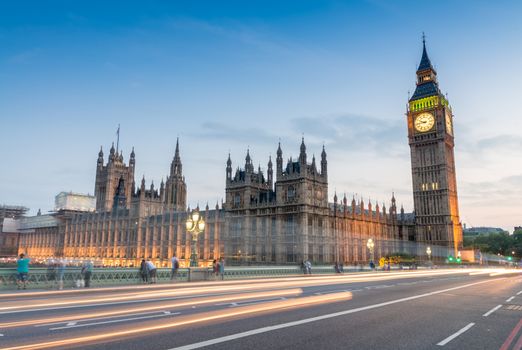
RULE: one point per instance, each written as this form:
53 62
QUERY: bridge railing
43 278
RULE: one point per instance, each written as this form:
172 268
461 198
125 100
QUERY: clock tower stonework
431 139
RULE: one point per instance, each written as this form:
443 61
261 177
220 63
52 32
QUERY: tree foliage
495 243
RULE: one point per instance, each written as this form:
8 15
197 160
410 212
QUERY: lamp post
370 245
428 251
195 225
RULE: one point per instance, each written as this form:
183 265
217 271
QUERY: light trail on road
201 301
208 316
220 288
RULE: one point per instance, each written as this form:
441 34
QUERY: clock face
449 127
424 122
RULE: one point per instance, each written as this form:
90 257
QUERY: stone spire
426 77
279 161
324 164
132 159
229 168
112 153
249 167
100 157
270 172
302 153
176 166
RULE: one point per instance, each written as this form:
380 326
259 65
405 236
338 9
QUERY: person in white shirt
152 271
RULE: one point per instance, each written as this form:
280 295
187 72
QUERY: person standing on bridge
221 266
152 271
144 271
87 273
61 273
175 267
22 270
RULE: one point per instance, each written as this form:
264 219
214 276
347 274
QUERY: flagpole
118 139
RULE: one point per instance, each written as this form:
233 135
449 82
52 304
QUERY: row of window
430 186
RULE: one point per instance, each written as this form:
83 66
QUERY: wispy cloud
356 133
222 131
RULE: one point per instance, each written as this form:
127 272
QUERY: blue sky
224 76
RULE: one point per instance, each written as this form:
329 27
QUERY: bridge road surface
434 309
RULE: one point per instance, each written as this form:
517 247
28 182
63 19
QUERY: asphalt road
436 309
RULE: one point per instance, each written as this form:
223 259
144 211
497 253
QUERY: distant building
9 229
12 211
475 231
74 202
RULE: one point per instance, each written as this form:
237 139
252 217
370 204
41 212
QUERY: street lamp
370 245
195 225
428 251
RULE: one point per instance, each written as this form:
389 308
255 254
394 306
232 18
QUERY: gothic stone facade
261 222
431 139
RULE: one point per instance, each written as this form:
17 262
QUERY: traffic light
450 258
510 258
458 260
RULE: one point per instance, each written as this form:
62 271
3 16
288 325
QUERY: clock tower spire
431 139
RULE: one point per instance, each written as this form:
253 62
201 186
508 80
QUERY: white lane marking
492 310
98 318
319 318
356 290
1 335
225 304
71 324
251 302
509 299
333 291
113 321
378 286
406 283
519 292
455 335
258 301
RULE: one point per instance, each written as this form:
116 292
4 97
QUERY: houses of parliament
281 216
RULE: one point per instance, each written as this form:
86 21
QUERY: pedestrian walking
144 271
175 267
222 268
87 273
22 269
308 265
336 267
152 271
61 273
215 269
51 271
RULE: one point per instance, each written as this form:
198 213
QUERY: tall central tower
431 139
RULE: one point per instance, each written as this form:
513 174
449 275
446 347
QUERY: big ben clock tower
431 139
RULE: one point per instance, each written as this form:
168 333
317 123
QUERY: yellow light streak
210 316
233 297
506 272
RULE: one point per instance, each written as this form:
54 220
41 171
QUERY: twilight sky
228 75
